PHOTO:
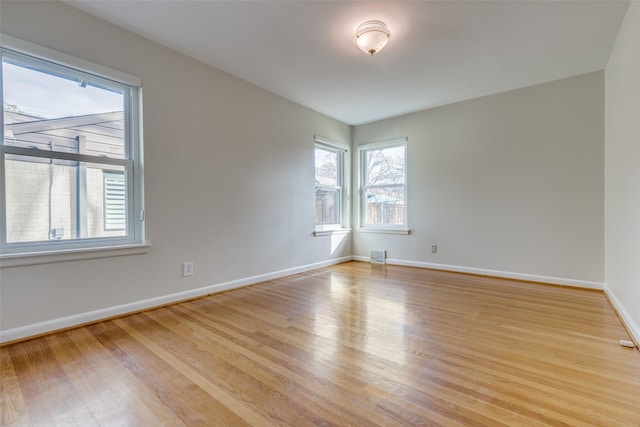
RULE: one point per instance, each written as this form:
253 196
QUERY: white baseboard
48 326
631 326
496 273
35 329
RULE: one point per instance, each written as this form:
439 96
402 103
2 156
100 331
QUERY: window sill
318 233
34 258
385 231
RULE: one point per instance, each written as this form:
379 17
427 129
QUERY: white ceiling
439 52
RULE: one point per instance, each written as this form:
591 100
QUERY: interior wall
508 183
622 201
229 177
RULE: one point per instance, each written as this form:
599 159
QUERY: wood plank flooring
353 344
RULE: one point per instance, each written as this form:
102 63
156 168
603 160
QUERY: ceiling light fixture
371 37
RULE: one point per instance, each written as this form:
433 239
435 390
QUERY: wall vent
378 256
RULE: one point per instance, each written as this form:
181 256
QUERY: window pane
385 206
384 166
327 206
326 167
27 195
52 110
56 200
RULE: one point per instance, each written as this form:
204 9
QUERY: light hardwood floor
353 344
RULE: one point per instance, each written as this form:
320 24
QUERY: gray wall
622 203
228 172
509 183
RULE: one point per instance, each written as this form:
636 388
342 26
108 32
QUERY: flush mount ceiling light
371 37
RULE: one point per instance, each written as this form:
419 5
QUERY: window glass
383 190
329 172
326 167
327 206
56 110
385 166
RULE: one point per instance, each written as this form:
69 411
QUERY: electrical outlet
187 269
434 249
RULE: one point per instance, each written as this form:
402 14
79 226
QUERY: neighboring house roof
103 134
19 116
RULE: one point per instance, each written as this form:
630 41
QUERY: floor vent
378 257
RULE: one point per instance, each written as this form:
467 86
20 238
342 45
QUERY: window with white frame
383 185
329 184
70 161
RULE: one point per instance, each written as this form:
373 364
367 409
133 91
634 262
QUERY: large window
70 153
383 176
330 184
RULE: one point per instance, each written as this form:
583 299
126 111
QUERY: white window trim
402 229
35 258
345 203
28 253
31 49
332 232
